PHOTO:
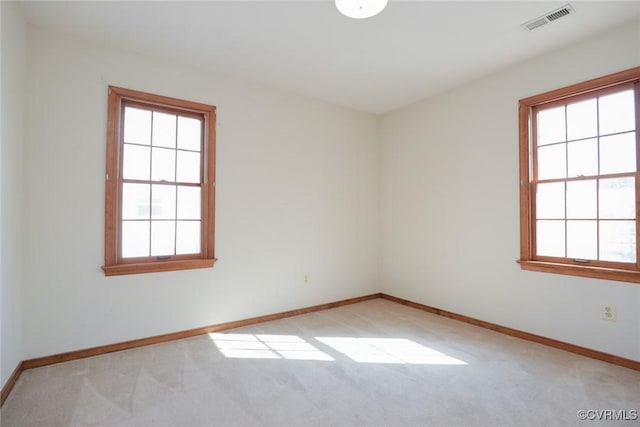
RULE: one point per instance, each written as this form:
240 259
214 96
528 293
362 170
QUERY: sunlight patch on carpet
388 350
361 350
262 346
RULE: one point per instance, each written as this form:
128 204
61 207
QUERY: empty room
320 213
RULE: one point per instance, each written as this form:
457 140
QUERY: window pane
617 113
164 130
551 126
135 201
188 238
137 126
188 202
550 201
188 167
582 119
163 238
582 239
135 162
618 198
550 238
618 153
618 241
583 158
552 162
189 131
135 238
164 165
164 201
581 199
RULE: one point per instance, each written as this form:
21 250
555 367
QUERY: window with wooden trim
160 186
579 179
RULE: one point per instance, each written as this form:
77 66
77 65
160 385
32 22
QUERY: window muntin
160 187
579 179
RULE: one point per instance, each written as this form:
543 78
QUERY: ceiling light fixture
360 9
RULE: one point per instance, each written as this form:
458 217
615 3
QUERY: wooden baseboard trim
126 345
10 383
572 348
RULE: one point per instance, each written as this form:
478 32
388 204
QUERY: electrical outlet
609 312
306 279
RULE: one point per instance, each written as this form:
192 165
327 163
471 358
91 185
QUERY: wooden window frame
114 263
528 260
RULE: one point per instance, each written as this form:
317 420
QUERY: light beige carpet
376 363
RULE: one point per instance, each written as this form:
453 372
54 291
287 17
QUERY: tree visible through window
579 152
160 183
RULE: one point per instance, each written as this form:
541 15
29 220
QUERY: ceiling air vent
547 18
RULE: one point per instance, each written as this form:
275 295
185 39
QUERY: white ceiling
412 50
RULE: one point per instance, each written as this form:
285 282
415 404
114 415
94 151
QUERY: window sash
564 144
175 183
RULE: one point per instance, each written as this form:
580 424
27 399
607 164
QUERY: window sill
582 271
151 267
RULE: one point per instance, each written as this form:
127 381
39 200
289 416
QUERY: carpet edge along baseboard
550 342
141 342
126 345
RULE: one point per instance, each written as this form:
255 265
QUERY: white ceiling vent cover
547 18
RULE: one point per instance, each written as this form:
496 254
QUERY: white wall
451 205
13 45
294 196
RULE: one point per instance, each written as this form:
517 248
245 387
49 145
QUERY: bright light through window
160 183
579 176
